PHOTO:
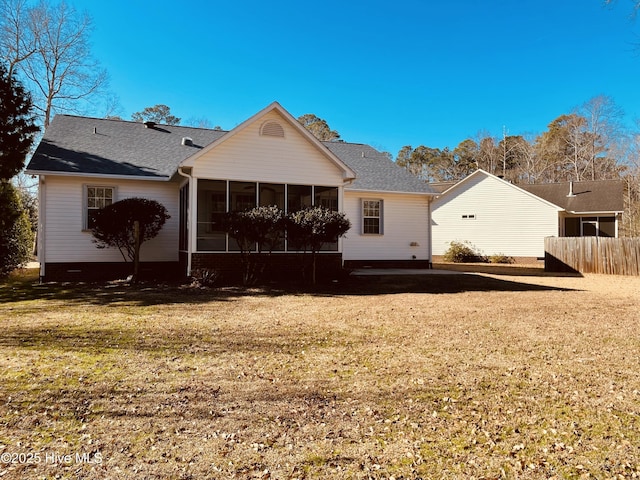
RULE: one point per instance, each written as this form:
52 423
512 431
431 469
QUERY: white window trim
85 201
380 217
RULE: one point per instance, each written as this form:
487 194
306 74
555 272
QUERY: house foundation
280 267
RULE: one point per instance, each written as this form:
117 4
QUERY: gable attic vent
272 129
187 141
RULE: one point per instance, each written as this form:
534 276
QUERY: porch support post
191 204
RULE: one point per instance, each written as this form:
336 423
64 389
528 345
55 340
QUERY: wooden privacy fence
615 256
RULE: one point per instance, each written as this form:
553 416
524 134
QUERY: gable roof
94 146
375 171
596 196
348 174
448 191
107 148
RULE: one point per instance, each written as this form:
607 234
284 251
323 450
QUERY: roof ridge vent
149 124
187 141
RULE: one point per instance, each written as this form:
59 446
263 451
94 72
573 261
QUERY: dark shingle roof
590 196
375 171
126 148
440 187
116 148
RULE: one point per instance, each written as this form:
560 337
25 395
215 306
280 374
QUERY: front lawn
442 376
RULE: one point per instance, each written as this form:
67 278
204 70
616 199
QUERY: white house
199 174
498 217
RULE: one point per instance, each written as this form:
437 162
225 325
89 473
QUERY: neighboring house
589 208
498 217
198 174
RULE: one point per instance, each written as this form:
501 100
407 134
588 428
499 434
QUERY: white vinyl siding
65 214
405 222
250 156
495 216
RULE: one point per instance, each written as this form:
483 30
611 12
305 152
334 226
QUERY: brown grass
443 376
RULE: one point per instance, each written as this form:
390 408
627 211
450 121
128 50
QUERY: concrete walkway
404 271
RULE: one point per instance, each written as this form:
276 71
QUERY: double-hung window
371 217
97 197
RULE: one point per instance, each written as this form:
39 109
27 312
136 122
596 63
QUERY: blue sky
385 73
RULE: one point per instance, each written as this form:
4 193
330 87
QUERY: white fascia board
615 212
97 175
380 192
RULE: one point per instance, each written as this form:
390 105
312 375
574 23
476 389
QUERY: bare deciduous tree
631 217
16 40
603 129
48 47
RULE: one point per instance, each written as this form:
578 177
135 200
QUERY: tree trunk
313 267
136 255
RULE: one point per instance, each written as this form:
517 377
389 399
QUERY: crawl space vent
272 129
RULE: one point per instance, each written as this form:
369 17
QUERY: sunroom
217 197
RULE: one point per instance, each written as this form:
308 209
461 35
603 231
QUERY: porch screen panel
272 194
589 226
242 197
607 226
571 227
299 197
212 204
327 197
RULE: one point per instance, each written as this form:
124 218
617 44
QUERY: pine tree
17 125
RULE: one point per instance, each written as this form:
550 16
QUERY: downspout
189 208
42 222
429 233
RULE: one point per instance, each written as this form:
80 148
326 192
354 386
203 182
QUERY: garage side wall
495 216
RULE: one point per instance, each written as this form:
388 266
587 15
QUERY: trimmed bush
115 227
501 258
312 227
260 226
462 252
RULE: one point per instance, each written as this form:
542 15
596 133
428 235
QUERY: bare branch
50 45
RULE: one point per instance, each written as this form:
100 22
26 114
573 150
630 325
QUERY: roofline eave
99 175
397 192
599 212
